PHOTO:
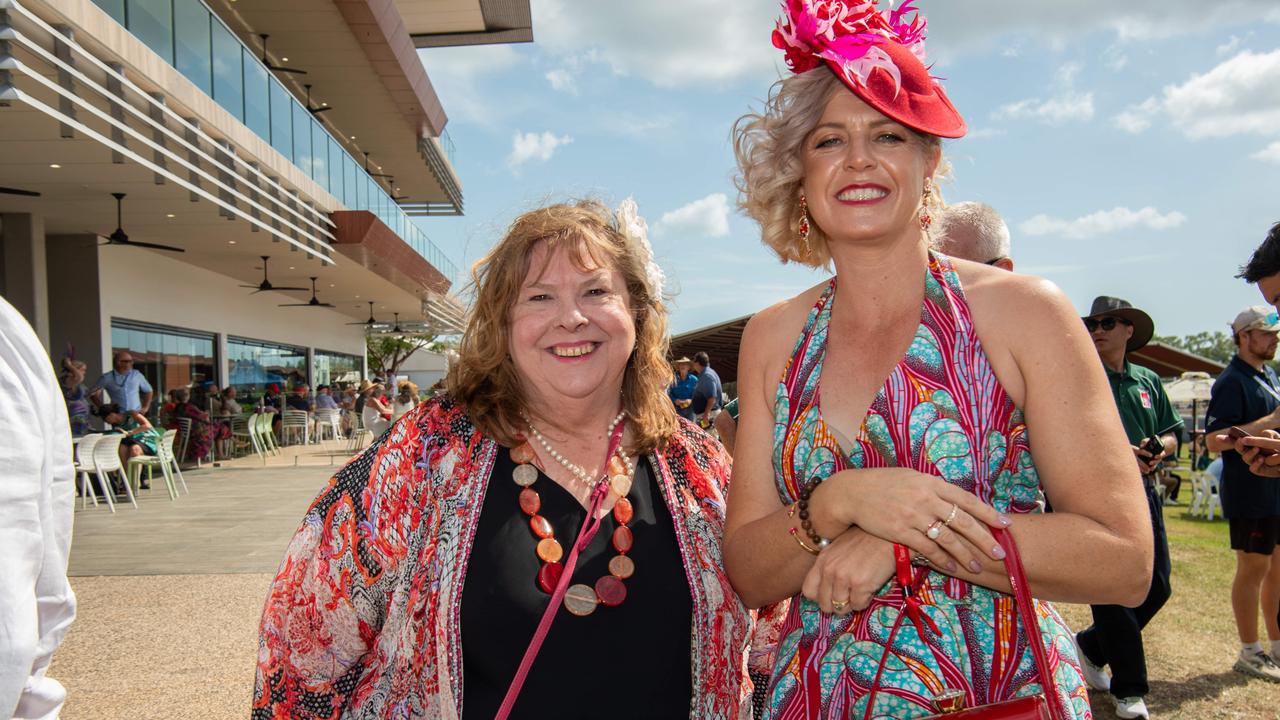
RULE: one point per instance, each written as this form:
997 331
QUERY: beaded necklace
579 599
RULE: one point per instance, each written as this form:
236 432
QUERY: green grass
1191 644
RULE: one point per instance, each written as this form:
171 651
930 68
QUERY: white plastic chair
359 432
85 468
328 422
243 433
295 423
106 459
1205 499
164 459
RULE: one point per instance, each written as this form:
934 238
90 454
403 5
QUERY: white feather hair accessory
634 228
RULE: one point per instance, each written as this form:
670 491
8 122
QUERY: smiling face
572 330
864 173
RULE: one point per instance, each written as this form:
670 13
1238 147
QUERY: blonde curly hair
484 378
771 171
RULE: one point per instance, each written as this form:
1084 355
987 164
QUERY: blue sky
1133 148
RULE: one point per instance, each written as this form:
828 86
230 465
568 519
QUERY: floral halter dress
943 412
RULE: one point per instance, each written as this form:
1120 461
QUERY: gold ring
839 604
954 509
934 530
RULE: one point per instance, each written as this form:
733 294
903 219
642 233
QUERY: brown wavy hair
484 379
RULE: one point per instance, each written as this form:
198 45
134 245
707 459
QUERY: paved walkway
170 594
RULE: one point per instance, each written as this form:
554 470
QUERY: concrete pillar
25 283
224 363
75 302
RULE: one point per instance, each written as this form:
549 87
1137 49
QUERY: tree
1214 344
388 352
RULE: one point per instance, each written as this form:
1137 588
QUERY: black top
1241 395
630 661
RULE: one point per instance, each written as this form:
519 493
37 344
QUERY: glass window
335 169
170 358
257 96
302 139
336 369
114 8
319 153
281 120
255 364
152 22
349 184
193 58
228 78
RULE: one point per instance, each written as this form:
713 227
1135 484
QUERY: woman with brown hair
888 415
552 481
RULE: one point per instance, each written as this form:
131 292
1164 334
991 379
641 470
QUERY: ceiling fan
391 185
272 66
313 302
16 191
266 285
371 173
120 238
315 110
370 323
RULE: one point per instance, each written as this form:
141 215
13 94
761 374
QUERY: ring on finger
954 509
839 605
934 529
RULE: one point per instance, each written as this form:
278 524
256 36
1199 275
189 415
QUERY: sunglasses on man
1107 323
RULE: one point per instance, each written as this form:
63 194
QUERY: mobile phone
1153 445
1236 433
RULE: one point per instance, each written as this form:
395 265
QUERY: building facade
272 158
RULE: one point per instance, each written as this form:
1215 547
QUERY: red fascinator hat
878 55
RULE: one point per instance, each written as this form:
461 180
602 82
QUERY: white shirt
37 502
398 408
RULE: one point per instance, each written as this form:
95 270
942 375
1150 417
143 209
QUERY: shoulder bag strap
1027 614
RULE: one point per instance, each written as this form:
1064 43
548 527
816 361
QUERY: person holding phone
1244 402
1115 638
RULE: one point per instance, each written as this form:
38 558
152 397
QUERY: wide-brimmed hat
1143 326
879 55
1257 317
365 385
682 359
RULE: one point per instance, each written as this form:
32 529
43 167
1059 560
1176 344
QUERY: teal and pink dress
942 412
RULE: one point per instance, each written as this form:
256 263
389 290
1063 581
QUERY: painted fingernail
1005 520
975 566
997 552
951 565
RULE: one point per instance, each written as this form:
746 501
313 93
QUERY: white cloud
708 217
1237 97
1115 58
1229 46
563 81
1270 153
670 43
1066 105
534 146
1103 222
1137 118
455 73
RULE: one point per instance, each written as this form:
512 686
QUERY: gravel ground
172 647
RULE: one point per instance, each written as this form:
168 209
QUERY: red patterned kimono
363 616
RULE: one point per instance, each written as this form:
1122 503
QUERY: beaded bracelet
805 521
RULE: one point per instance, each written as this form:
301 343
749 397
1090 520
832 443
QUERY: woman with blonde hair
551 482
886 413
406 397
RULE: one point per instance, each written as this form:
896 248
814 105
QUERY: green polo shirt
1144 406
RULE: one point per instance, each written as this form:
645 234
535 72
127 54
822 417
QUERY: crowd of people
899 472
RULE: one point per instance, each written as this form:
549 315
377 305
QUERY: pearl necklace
581 475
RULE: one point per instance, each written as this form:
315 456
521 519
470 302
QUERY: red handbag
950 705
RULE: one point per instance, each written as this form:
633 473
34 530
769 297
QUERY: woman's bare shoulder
781 321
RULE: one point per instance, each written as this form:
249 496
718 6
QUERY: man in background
707 393
37 500
1152 426
124 386
976 232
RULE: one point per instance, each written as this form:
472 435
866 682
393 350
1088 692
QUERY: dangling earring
926 219
804 224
